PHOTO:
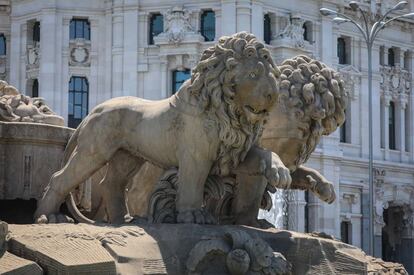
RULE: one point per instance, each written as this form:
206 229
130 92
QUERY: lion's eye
252 75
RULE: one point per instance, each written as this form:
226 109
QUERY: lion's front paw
199 216
54 218
323 189
278 175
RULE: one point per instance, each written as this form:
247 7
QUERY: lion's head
311 103
236 84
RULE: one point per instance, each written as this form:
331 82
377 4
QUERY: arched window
208 25
80 28
156 26
267 29
179 77
78 100
391 126
2 44
35 88
36 31
341 43
391 57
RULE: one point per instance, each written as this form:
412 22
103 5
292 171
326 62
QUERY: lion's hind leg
84 161
122 167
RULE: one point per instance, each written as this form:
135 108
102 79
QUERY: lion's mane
316 94
212 81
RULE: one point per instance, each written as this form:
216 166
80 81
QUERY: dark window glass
36 31
391 57
2 44
267 29
156 27
391 125
208 25
35 88
78 100
80 28
345 231
341 43
179 77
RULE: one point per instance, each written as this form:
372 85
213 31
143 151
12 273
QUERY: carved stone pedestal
187 249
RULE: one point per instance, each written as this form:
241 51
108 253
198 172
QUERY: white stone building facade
113 54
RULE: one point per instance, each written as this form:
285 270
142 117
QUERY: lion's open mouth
254 110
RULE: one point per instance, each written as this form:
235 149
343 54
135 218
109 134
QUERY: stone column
257 19
386 104
64 82
164 76
130 83
94 67
23 60
327 36
48 69
14 55
401 106
107 92
217 13
376 101
228 18
243 11
117 49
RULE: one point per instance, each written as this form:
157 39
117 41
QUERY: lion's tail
70 202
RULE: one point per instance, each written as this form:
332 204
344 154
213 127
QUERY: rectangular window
407 128
307 31
267 29
342 132
78 100
346 232
36 31
80 28
156 26
342 51
208 25
391 57
2 44
179 77
35 88
391 126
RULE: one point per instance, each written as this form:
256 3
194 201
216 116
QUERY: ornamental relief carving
33 56
352 79
177 22
395 83
79 53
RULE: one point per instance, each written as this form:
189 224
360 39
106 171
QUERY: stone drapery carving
3 67
352 79
177 25
293 31
241 253
15 107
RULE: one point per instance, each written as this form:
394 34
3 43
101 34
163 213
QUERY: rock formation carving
207 127
16 107
242 253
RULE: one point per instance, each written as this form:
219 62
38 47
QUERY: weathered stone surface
3 235
166 248
12 265
30 153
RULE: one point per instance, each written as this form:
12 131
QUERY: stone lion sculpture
208 127
311 104
16 107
